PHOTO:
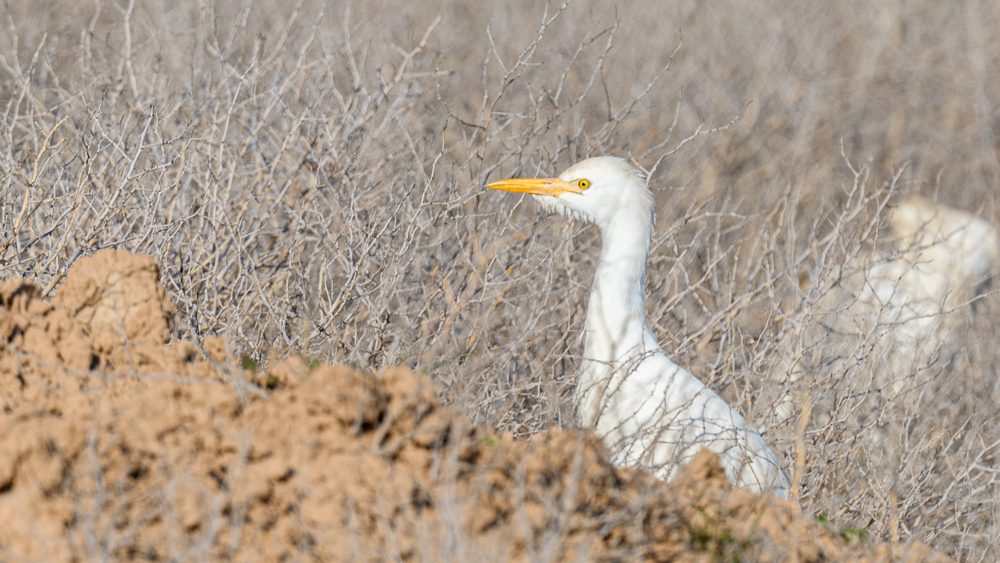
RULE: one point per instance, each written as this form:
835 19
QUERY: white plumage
648 410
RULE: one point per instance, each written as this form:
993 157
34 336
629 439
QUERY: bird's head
594 190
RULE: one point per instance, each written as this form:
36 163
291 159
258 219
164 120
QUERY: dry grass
311 179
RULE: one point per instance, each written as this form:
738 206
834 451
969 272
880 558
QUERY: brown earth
117 443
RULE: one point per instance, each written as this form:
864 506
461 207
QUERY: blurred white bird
648 410
910 297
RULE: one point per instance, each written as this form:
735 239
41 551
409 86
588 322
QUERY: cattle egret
940 261
648 410
909 306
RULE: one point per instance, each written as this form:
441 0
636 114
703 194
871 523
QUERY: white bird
647 409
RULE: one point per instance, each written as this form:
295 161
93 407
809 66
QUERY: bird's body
648 410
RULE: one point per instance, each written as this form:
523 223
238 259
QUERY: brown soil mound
116 444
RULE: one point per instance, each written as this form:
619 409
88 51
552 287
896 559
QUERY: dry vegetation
310 177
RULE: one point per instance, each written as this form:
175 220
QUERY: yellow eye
584 183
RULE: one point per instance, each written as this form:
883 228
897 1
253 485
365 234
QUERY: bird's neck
616 330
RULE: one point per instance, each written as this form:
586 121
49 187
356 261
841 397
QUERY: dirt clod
119 444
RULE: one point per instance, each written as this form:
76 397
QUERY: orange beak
538 186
